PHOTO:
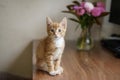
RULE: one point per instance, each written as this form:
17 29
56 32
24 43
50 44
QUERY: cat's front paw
59 70
53 73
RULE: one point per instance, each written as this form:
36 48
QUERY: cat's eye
52 30
59 30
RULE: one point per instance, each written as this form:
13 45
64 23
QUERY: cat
50 49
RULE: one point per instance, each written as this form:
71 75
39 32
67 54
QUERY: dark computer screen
115 12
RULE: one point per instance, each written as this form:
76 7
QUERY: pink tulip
88 6
100 4
80 11
96 12
82 4
102 9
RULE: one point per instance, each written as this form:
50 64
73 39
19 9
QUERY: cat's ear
63 23
48 21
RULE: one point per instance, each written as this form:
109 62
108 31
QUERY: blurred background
22 21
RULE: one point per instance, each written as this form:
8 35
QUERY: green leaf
76 2
71 12
77 27
97 21
69 7
83 0
94 3
104 14
75 20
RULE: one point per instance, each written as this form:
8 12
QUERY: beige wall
109 28
22 21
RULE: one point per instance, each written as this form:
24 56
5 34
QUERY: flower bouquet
86 14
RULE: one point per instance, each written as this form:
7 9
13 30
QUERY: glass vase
85 41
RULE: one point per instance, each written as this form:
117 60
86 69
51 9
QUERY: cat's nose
56 36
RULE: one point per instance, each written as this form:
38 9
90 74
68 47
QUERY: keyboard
112 44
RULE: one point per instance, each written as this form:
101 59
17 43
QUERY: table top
96 64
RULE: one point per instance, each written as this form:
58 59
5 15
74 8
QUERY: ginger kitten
50 49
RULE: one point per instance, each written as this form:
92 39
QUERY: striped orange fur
50 49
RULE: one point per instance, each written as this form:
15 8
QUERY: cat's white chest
59 42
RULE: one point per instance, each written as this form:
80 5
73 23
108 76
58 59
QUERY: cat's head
56 30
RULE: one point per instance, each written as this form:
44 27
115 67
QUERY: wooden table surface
97 64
